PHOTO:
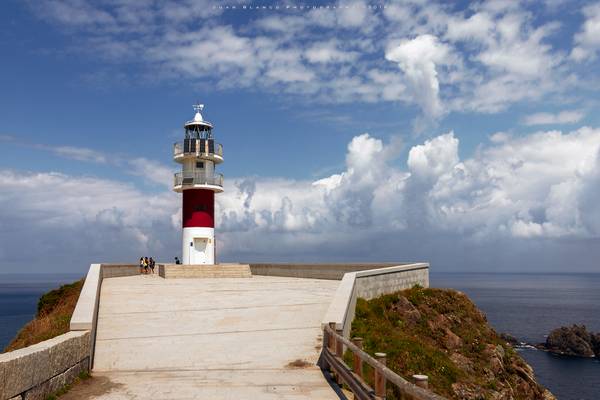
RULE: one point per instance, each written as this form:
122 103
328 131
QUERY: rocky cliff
442 334
54 312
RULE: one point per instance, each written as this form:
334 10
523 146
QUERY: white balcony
198 148
195 180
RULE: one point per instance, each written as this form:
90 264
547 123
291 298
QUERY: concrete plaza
228 338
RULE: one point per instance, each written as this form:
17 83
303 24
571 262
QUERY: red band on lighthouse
198 208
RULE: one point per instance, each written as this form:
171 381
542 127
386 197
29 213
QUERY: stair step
175 271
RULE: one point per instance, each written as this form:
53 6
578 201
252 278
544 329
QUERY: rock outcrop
573 341
442 334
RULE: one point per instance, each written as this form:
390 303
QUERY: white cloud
563 117
328 52
149 170
587 41
542 186
514 59
63 222
538 186
418 59
500 137
433 158
514 49
79 153
70 152
477 27
516 187
527 186
483 59
352 13
124 16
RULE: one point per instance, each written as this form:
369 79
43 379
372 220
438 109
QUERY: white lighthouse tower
198 154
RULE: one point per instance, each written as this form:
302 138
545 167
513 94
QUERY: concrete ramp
212 338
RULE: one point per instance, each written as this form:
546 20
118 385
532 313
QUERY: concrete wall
333 271
36 371
374 283
369 284
87 304
117 270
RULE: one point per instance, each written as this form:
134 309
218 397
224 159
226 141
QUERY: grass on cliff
54 312
442 334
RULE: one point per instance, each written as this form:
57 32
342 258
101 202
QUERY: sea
527 306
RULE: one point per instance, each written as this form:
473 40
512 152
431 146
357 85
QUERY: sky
464 134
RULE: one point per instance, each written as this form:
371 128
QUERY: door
199 253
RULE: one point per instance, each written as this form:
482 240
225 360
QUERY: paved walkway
231 338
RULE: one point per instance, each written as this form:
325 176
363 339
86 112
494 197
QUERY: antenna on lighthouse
198 108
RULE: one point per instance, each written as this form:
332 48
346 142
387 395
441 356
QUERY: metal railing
195 178
332 359
178 149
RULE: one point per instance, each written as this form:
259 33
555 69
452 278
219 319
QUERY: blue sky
465 135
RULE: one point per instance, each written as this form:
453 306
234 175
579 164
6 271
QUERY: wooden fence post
421 381
379 377
323 359
339 351
331 338
357 364
339 345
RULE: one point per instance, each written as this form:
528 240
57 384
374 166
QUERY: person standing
146 265
141 265
152 263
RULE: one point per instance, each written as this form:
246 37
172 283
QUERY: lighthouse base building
198 182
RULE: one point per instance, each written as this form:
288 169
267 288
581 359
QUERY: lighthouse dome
198 123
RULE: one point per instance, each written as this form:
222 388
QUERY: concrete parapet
118 270
333 271
369 284
374 283
178 271
87 304
36 371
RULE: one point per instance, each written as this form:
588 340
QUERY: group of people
147 265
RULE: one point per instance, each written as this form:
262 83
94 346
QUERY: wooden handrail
333 341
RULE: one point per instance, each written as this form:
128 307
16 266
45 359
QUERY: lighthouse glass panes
198 181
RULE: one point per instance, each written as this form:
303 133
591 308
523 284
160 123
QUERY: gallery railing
192 179
197 147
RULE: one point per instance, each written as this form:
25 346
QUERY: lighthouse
198 155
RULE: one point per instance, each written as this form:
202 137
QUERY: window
200 164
